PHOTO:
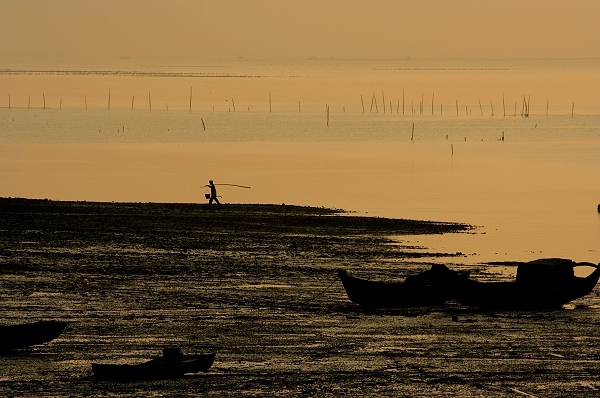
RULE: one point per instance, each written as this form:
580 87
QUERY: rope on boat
323 291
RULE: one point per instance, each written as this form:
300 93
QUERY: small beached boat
541 284
429 288
173 364
14 337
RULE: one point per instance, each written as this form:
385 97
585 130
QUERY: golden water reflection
525 207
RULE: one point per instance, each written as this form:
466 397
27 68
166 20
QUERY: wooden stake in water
398 107
270 103
149 101
60 104
85 99
203 125
492 105
503 107
376 106
452 149
44 98
8 101
298 106
191 99
233 104
383 101
372 101
362 103
109 98
441 110
29 101
572 109
480 108
327 110
432 98
547 101
403 101
132 99
412 136
456 107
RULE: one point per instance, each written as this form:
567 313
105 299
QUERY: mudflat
256 284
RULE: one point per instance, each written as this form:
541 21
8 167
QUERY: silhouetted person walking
213 193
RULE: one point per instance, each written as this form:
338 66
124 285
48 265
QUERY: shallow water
534 193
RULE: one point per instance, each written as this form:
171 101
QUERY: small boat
15 337
429 288
541 284
173 364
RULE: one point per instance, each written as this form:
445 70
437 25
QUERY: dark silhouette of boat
173 364
15 337
429 288
541 284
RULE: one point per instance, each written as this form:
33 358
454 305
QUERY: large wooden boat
540 284
430 288
14 337
171 365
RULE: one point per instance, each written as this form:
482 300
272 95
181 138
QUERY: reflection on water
533 194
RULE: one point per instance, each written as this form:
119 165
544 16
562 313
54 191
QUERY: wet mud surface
250 282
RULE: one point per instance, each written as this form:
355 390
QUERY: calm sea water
446 141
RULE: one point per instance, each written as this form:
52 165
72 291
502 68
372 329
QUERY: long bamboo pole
235 185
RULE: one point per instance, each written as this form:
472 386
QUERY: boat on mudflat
429 288
173 364
541 284
15 337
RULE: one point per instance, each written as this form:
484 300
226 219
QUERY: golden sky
108 29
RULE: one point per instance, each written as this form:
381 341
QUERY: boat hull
526 294
156 369
15 337
421 290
